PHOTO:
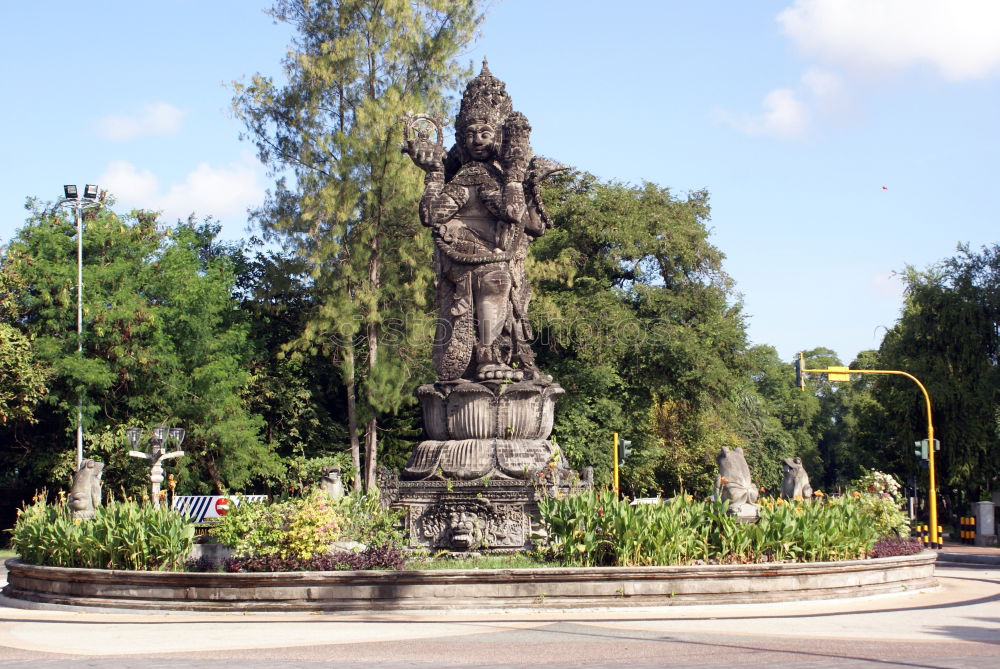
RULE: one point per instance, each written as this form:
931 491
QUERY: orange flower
818 493
723 480
856 494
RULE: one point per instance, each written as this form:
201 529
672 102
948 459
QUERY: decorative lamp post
72 200
161 438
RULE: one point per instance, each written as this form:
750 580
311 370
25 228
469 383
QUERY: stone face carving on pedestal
489 415
795 483
734 484
85 495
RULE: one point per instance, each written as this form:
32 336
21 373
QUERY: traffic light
800 377
624 450
920 447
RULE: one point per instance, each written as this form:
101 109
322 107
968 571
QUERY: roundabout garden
592 549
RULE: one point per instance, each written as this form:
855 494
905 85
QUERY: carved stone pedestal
484 515
474 484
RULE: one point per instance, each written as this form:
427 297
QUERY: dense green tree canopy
948 338
163 342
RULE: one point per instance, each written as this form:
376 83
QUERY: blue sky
840 139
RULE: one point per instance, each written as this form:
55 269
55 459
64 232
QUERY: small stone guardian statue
795 484
331 483
85 495
734 484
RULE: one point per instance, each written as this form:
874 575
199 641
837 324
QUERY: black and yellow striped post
968 529
940 538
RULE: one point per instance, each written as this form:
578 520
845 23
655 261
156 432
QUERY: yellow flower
798 498
76 521
689 498
779 501
818 493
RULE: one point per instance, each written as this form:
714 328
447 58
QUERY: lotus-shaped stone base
485 430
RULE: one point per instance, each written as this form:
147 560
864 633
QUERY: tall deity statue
490 412
482 202
475 480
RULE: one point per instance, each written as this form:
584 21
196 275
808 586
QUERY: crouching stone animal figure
795 484
85 495
734 484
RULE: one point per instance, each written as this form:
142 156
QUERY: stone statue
489 415
85 495
474 483
795 483
331 483
481 201
734 484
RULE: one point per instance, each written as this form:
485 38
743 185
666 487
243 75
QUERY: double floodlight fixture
161 435
90 192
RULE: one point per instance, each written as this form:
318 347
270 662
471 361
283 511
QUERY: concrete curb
470 589
969 558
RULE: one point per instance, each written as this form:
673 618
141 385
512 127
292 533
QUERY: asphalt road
956 625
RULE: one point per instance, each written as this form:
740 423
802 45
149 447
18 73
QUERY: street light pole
72 200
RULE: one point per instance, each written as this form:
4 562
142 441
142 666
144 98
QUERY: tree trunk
371 434
352 415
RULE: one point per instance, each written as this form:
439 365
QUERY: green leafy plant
121 535
595 528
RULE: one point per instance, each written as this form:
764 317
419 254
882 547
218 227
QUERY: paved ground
956 625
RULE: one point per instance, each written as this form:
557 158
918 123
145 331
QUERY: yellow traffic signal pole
614 457
833 372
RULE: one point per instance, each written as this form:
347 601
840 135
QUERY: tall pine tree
345 199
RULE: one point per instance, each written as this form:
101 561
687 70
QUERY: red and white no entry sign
222 506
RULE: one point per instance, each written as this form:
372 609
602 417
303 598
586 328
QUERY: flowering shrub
877 483
310 528
304 527
121 535
880 494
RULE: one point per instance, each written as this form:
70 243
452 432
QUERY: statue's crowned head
485 103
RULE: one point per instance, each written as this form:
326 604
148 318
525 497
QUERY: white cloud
223 192
959 38
157 118
784 115
887 284
788 113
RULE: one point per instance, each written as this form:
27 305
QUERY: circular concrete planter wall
461 588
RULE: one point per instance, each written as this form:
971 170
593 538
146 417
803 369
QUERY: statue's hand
426 155
516 150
